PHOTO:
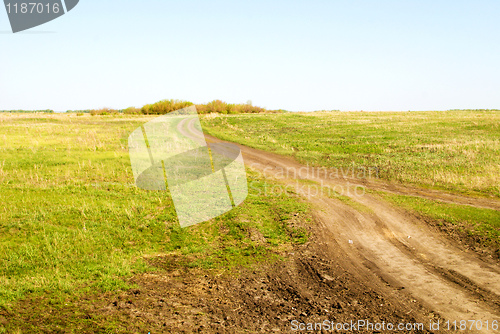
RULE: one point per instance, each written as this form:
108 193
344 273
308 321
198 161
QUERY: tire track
401 250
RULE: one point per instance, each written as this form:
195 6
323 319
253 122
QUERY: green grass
457 151
71 220
475 221
347 200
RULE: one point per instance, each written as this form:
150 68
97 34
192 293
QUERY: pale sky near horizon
293 55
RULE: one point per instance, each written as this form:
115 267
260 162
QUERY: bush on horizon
104 111
221 107
164 107
132 111
215 106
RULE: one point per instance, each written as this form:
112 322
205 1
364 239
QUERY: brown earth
315 282
399 248
384 247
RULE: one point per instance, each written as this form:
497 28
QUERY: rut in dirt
400 249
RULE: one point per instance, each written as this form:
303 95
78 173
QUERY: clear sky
294 55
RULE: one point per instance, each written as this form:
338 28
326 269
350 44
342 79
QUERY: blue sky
294 55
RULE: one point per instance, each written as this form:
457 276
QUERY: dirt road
380 240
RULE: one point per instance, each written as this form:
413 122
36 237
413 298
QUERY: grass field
457 151
475 222
72 221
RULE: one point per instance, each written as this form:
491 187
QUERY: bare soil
401 249
315 282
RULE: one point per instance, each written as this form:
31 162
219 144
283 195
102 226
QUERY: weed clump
221 107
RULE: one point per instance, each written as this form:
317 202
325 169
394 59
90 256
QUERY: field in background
72 221
457 151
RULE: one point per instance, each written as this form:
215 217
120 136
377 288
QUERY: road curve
398 248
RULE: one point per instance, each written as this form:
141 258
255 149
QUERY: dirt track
401 250
369 261
363 261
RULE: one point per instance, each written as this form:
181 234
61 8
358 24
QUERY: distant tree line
48 111
474 110
166 106
85 111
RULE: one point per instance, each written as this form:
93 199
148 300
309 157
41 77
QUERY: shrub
164 106
132 111
221 107
215 106
85 111
103 111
